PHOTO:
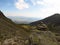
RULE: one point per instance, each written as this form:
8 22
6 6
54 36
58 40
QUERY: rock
42 38
13 41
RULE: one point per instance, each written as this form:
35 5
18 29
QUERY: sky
30 8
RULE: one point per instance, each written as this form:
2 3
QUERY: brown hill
53 22
11 34
9 29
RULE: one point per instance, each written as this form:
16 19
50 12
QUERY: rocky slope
53 22
11 34
8 29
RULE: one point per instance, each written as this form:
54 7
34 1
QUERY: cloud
49 7
37 2
21 4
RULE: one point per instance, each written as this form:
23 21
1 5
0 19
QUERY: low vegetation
25 34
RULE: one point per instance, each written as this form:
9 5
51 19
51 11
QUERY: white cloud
49 7
36 2
21 4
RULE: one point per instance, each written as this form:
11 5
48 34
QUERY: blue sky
30 8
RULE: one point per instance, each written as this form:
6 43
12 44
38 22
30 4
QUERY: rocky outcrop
42 38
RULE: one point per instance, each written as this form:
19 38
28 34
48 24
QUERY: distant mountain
53 22
23 20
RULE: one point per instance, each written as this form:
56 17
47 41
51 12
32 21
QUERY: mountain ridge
9 27
1 14
52 22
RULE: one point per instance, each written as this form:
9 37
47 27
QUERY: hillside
9 29
24 34
53 22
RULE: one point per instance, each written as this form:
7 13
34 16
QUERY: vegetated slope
11 34
53 22
8 29
43 38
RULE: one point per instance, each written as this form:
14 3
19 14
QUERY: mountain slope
11 34
53 22
9 29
